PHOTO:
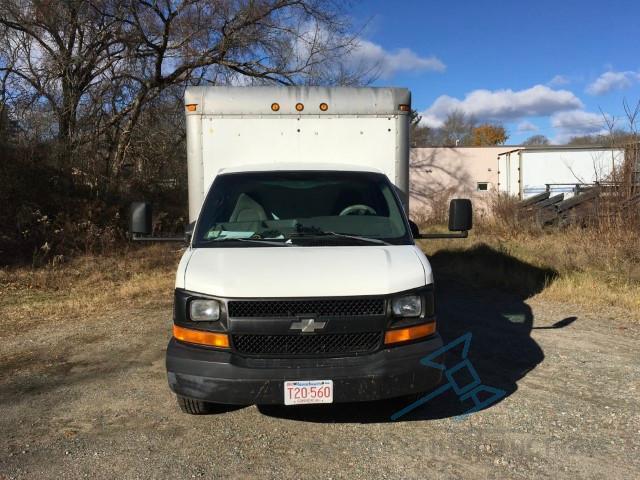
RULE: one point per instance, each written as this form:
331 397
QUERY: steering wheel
358 210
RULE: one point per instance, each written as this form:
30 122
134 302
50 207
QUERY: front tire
194 407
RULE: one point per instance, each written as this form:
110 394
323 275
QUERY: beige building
440 173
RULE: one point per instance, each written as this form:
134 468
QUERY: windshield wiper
261 241
357 237
317 232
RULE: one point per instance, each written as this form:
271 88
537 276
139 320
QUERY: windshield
302 208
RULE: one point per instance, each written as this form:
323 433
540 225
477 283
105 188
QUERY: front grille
292 308
316 344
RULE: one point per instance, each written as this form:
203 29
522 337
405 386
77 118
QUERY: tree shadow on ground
499 320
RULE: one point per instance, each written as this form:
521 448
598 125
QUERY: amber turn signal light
199 337
191 107
409 333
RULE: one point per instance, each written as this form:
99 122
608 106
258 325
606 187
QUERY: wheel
194 407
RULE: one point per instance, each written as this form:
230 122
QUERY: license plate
304 392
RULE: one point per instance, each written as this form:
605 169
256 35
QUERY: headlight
408 306
204 310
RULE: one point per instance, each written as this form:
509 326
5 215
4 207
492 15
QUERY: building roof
525 147
505 149
563 148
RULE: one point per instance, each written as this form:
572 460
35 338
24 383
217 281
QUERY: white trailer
525 172
232 126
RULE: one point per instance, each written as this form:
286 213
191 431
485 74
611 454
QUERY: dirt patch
88 397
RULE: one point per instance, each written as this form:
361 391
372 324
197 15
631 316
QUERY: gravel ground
83 399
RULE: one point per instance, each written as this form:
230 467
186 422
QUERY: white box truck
301 282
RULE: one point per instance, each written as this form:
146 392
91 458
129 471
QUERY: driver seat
247 210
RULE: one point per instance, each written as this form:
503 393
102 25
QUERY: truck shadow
501 349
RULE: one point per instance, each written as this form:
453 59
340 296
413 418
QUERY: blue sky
539 67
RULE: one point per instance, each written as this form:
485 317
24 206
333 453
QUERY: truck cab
302 282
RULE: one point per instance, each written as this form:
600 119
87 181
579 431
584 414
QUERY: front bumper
225 377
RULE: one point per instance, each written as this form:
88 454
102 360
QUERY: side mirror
141 228
140 219
188 232
460 221
415 231
460 215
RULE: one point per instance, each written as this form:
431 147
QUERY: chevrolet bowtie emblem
307 325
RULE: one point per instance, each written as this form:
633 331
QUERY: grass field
584 267
587 267
133 277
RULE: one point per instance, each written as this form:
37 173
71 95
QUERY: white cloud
389 63
363 56
576 123
611 80
526 126
559 80
502 105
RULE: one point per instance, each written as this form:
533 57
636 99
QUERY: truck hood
303 271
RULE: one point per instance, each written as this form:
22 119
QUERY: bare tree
456 129
536 140
420 135
98 64
628 140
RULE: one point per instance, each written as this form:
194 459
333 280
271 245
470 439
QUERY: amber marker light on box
324 107
192 107
299 107
199 337
404 107
409 333
275 106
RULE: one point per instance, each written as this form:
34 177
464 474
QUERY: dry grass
132 278
597 266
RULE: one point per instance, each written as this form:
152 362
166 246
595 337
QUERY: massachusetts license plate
308 391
